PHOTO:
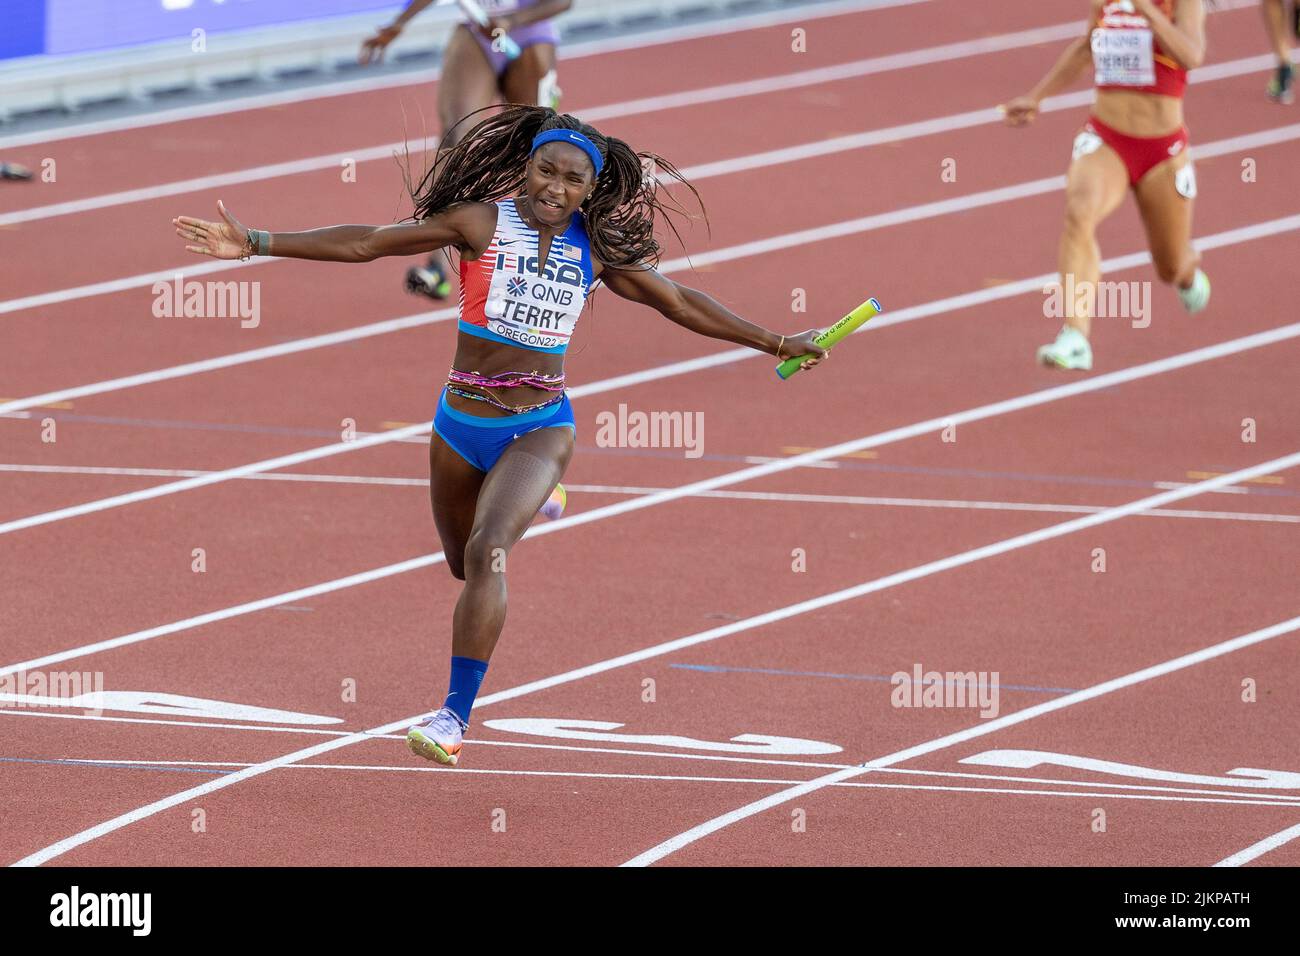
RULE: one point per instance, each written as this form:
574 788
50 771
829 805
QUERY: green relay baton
845 326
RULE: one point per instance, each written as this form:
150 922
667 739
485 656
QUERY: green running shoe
428 280
438 738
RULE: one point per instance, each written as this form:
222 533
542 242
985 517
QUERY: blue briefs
481 441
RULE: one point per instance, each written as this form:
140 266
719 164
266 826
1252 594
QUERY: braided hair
488 165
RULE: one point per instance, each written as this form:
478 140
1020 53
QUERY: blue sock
466 677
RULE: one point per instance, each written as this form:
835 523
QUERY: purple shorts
526 36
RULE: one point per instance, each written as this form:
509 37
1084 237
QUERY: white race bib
536 311
1124 57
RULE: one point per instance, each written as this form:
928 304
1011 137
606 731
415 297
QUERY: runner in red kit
1135 139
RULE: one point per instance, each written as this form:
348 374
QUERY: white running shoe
1070 351
1196 296
438 738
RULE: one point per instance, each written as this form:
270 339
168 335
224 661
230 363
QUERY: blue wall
23 30
75 26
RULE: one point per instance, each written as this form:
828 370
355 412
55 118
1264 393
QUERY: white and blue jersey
507 295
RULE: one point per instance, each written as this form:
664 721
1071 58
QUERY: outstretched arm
692 309
372 50
1072 61
467 226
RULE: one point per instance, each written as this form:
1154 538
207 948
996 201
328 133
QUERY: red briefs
1140 154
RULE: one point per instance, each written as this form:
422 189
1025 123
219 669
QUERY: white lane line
776 243
195 473
672 845
782 496
239 358
1007 406
786 496
788 154
934 567
201 481
594 751
684 778
417 79
108 286
1256 850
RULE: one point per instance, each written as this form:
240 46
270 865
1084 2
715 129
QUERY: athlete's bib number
1123 57
532 310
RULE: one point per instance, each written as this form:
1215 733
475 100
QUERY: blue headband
573 138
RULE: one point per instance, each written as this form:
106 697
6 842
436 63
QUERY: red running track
599 722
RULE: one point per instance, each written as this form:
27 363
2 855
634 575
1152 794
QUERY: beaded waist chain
456 380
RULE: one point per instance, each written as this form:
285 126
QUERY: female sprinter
474 74
1282 86
579 208
1135 139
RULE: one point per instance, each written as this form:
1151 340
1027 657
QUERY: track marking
1029 400
1261 480
156 702
186 484
672 845
879 678
223 765
61 406
1256 850
779 496
572 729
418 78
197 472
669 755
1045 508
803 607
1237 777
